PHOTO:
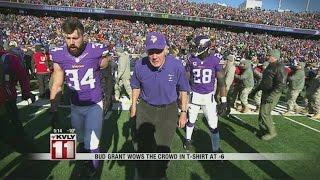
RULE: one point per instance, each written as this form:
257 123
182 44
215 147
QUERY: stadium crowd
245 56
26 31
184 7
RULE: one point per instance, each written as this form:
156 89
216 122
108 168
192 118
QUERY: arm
135 86
121 66
104 62
58 77
243 76
21 75
183 114
183 87
221 84
280 81
134 100
222 109
257 73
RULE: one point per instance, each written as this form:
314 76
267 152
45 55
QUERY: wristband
223 99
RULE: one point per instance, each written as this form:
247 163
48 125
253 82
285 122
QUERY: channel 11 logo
63 146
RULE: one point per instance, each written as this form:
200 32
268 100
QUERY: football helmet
203 44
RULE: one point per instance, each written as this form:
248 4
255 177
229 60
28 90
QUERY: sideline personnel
273 82
157 80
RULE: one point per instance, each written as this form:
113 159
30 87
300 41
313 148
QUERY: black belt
159 106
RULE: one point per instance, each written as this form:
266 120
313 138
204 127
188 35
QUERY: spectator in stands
42 70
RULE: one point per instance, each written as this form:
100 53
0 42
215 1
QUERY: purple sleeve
56 55
134 82
99 49
183 83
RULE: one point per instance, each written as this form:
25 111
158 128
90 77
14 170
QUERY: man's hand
133 111
182 119
222 109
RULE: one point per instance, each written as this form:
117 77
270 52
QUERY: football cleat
187 144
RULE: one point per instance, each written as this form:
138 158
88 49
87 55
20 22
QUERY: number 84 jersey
82 73
203 73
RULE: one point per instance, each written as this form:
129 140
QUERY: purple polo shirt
159 86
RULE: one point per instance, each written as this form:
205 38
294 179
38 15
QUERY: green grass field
236 136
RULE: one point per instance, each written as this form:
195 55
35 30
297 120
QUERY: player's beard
76 51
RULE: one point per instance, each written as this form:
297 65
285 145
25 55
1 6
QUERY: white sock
189 132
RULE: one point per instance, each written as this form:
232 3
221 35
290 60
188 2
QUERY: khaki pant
244 96
233 95
313 97
265 117
257 98
292 97
118 87
316 98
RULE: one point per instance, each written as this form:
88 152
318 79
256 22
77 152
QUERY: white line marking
313 119
310 117
302 124
239 119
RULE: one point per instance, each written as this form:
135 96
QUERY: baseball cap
155 40
275 53
231 57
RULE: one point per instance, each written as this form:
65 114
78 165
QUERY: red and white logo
63 146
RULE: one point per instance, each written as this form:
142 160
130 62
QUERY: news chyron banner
63 147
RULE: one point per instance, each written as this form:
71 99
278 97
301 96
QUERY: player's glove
223 109
54 119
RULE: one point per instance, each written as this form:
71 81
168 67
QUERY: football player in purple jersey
204 68
79 63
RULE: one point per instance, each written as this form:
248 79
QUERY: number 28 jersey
82 73
203 73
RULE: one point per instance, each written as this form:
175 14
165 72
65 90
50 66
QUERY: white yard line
310 117
313 119
239 119
302 124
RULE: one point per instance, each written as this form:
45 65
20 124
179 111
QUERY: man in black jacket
273 82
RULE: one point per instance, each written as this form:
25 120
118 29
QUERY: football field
296 134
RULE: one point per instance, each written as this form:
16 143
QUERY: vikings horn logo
153 39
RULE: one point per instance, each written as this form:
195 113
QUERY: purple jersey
203 73
82 73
